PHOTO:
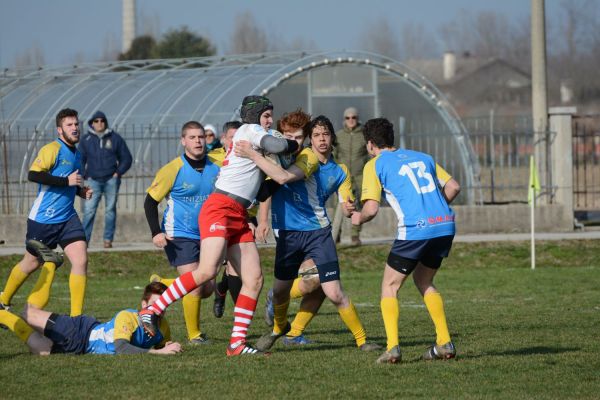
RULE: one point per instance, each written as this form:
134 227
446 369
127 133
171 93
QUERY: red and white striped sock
179 288
243 313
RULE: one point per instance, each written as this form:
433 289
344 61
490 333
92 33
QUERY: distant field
519 334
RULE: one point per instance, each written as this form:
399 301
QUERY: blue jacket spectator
105 157
103 152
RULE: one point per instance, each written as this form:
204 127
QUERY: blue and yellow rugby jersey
125 325
186 190
300 205
412 185
217 156
54 204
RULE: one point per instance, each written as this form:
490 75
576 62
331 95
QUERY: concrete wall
514 218
132 228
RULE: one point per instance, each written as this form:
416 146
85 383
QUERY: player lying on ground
46 333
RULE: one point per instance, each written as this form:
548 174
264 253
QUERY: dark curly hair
380 132
153 288
64 113
325 122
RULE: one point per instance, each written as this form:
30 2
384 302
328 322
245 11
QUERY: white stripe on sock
240 320
158 303
243 311
180 286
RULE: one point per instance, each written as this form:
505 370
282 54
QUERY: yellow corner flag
534 180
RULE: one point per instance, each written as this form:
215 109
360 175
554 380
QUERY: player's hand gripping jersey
125 325
186 190
412 185
54 204
300 205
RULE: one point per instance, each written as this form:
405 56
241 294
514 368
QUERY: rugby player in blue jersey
47 333
304 229
419 191
185 183
53 220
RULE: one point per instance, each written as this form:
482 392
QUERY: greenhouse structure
148 101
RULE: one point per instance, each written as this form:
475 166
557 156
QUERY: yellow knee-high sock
16 324
302 319
435 306
191 315
77 287
167 281
280 318
41 292
14 282
390 311
295 292
350 318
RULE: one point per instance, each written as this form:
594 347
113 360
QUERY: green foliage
181 43
176 43
519 334
142 48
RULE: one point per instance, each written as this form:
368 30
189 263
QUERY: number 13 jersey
412 184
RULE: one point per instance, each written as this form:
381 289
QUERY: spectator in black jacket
104 158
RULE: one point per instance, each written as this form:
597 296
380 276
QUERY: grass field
519 334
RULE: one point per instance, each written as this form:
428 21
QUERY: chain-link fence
502 146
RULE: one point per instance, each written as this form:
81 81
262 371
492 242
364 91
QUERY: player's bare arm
282 176
451 190
368 212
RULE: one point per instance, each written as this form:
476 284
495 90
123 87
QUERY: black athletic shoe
219 304
149 321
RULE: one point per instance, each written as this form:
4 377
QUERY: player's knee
207 289
310 284
422 283
337 297
29 264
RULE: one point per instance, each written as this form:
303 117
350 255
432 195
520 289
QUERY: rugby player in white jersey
224 226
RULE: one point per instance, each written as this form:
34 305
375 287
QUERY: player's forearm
267 188
264 209
275 145
369 211
451 190
122 346
46 178
151 211
273 170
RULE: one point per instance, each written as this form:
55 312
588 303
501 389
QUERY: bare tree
486 34
379 37
149 25
574 49
416 42
489 34
110 49
295 44
247 36
34 56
